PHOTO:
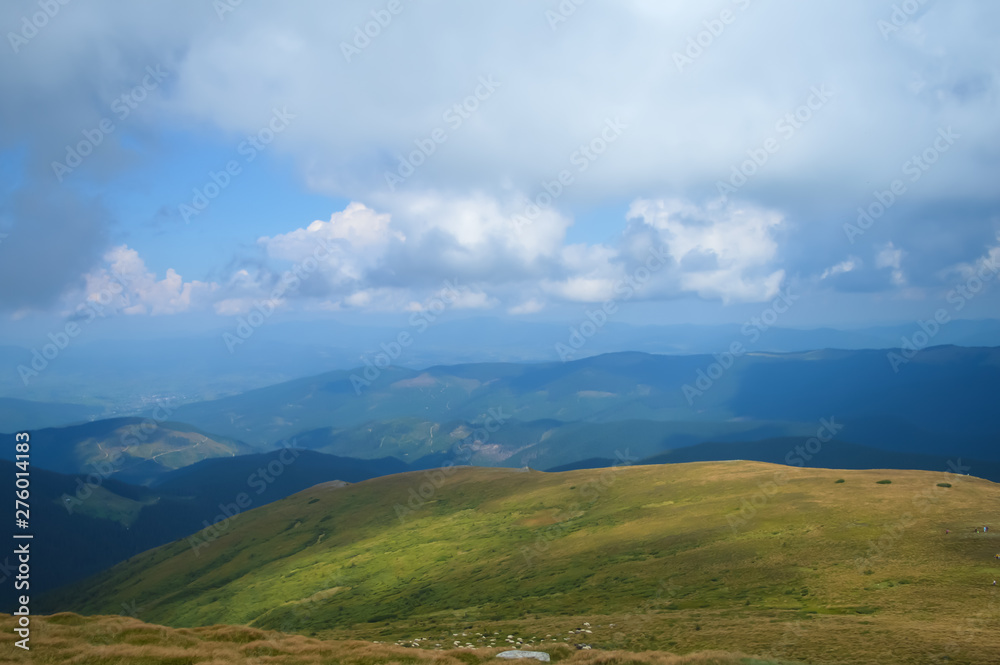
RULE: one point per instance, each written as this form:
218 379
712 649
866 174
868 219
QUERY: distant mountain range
120 377
546 415
944 396
110 489
135 450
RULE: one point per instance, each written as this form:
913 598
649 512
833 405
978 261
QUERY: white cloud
477 231
469 299
343 250
353 118
526 131
454 297
891 256
452 216
396 261
985 265
581 289
125 284
530 306
849 264
357 224
721 251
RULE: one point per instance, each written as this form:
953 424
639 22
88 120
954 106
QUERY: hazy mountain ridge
546 415
135 450
114 376
943 389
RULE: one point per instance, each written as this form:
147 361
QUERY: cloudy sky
181 161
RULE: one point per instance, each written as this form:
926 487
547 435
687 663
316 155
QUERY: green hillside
85 524
732 555
135 450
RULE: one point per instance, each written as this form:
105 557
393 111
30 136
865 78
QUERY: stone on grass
517 653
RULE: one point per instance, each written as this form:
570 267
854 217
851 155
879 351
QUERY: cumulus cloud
451 218
345 249
124 284
723 251
986 266
357 225
891 256
530 306
470 247
847 265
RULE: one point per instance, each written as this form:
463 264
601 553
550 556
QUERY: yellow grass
69 639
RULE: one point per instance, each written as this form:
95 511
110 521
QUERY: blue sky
738 139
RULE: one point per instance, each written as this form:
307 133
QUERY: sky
182 163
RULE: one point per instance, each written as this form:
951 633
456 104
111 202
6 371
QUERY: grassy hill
134 450
734 555
223 478
833 454
85 524
95 534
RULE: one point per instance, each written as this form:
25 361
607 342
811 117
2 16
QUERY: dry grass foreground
69 639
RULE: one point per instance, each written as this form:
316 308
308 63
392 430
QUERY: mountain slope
942 391
513 443
134 450
84 524
77 539
278 472
722 543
